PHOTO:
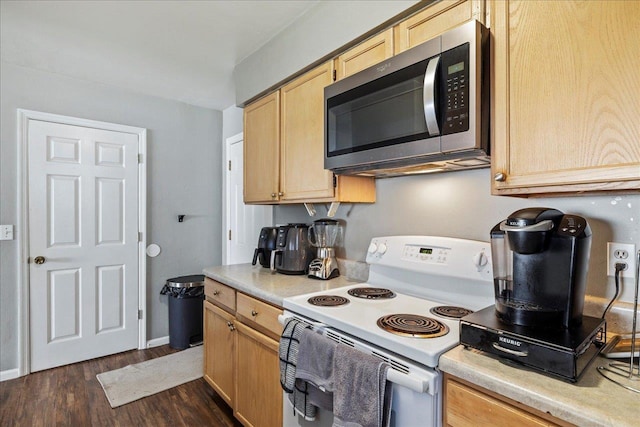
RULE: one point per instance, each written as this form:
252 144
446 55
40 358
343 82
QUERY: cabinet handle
254 313
273 195
500 177
280 194
231 326
216 293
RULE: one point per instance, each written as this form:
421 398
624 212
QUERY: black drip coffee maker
540 260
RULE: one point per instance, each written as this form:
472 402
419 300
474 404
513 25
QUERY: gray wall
319 32
459 204
183 177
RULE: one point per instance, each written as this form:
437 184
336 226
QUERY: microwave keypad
455 68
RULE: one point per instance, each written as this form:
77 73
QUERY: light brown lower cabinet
467 404
258 391
219 351
241 354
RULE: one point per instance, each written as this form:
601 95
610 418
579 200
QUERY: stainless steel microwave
424 110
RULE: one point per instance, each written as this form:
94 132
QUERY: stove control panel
431 254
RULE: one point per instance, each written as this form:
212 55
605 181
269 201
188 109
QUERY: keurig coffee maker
540 258
540 261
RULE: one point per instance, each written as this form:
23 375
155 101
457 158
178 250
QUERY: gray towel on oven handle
362 397
315 360
288 351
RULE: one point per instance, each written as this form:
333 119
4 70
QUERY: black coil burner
412 325
328 300
371 293
450 311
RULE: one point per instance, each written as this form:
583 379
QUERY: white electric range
394 319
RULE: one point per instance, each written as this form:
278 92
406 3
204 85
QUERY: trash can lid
186 281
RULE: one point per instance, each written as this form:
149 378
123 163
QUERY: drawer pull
216 293
510 351
231 326
254 313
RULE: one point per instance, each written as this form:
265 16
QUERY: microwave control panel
455 90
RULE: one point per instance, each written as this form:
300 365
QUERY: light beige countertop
271 287
592 401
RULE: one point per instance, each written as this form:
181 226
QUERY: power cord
619 267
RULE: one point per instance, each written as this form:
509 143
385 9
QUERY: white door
83 243
243 221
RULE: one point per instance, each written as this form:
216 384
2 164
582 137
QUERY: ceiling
180 50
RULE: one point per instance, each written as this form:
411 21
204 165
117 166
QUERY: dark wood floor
72 396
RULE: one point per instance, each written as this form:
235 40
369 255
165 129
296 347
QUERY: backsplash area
460 204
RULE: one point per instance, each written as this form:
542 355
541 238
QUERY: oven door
416 398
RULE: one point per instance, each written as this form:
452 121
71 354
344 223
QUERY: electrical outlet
621 253
6 232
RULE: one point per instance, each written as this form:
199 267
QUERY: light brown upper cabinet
289 124
368 53
262 149
435 20
565 86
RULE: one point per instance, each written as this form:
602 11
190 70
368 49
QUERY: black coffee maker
540 263
540 259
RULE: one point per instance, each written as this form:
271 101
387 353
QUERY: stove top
422 273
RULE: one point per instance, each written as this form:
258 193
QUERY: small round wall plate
153 250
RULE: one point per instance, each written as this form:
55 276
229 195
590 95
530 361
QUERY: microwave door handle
429 96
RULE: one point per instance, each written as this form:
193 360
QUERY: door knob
500 177
39 260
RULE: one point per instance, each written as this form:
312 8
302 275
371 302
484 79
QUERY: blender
323 234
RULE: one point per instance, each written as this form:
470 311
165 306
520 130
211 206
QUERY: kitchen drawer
259 314
219 294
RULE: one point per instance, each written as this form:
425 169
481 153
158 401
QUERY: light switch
6 232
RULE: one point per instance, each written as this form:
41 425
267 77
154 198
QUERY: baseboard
9 374
158 342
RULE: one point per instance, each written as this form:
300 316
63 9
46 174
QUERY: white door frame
24 362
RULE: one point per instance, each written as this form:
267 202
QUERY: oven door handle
282 319
420 385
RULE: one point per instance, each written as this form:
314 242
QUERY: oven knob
480 259
373 248
382 248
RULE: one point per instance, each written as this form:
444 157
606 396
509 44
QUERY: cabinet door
261 149
435 20
368 53
303 176
219 350
259 395
466 406
564 104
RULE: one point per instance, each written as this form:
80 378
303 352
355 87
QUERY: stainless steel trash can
186 294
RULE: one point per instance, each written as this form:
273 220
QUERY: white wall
183 175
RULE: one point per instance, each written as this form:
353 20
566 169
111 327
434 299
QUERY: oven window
384 112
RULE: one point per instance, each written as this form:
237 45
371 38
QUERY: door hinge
229 234
139 314
335 75
139 158
229 164
335 181
139 236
